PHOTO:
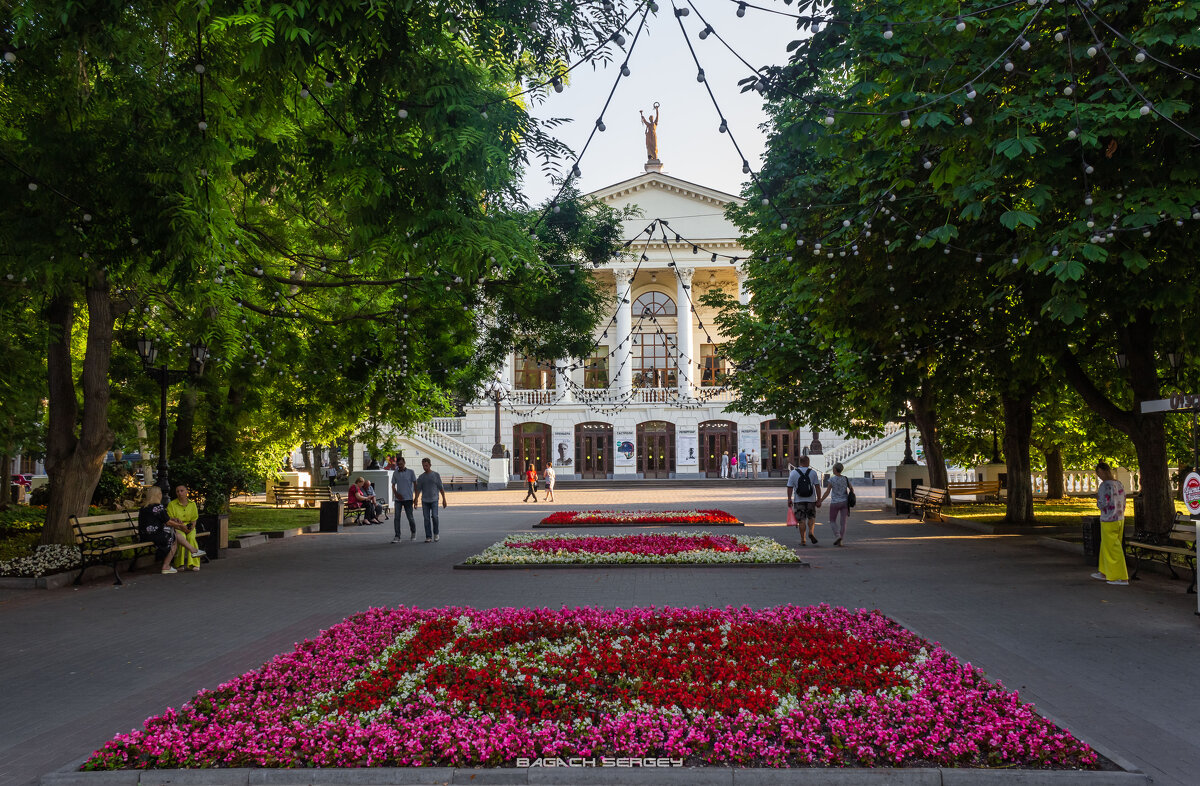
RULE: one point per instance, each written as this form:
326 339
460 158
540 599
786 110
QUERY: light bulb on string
625 69
557 84
967 119
600 125
1058 36
1023 43
960 25
1092 50
618 39
904 120
1140 57
745 167
706 32
9 55
971 92
1009 65
925 162
1069 89
830 119
1145 109
888 32
724 127
1073 133
700 73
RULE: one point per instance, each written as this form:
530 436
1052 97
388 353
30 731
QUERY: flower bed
782 687
44 560
665 548
622 518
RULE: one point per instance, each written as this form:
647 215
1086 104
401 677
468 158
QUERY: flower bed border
589 524
778 551
681 776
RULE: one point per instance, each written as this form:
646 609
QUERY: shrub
212 480
114 485
40 496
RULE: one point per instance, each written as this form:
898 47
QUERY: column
621 359
562 380
683 336
743 293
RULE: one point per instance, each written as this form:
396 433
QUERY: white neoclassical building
647 403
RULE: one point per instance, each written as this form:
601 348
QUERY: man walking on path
802 497
429 485
403 481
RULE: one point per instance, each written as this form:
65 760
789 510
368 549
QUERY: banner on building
563 454
748 438
624 441
687 444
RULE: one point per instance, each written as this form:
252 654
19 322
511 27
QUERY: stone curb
587 566
582 776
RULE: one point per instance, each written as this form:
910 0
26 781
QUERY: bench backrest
929 491
972 485
116 525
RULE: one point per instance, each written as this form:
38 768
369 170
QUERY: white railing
612 397
853 447
477 460
1084 481
450 426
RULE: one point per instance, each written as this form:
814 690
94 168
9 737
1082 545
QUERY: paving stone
380 776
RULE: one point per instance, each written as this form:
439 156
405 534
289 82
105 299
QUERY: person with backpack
840 494
803 498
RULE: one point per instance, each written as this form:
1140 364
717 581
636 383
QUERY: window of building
595 370
712 366
532 374
653 304
654 361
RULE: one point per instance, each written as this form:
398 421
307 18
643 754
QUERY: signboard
1180 402
623 441
687 445
563 454
1191 493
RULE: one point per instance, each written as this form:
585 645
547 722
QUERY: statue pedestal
654 165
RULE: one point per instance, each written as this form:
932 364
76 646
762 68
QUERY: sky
662 69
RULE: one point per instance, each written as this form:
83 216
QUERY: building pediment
694 211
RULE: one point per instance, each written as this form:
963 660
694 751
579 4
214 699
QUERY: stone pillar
743 293
686 359
562 380
622 360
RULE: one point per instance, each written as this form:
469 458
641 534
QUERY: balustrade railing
853 447
611 397
475 459
451 426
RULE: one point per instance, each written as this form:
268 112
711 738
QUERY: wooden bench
309 495
925 500
989 489
461 480
108 539
1169 548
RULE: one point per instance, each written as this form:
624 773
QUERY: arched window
653 304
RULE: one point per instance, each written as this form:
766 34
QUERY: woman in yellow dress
184 510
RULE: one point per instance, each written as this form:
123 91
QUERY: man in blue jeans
429 485
403 481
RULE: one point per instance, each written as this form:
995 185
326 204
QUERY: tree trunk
350 455
925 416
1018 427
74 461
1055 485
1147 432
185 424
6 462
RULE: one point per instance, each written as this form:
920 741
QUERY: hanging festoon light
926 163
402 113
1146 109
1074 133
1094 49
9 55
905 122
600 125
1009 65
741 10
724 127
618 39
1023 43
888 32
700 75
830 119
1059 36
960 24
706 32
557 84
967 119
1140 57
625 69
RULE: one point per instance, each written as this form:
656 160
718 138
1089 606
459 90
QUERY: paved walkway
1116 665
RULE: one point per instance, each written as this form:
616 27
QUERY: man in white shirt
802 490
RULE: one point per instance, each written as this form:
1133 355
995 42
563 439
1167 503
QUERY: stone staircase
873 454
448 453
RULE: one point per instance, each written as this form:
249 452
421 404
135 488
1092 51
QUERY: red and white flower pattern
780 687
658 548
598 518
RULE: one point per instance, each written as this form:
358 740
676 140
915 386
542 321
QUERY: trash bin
218 527
331 515
1091 538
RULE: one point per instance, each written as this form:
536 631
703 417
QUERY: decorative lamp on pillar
497 390
908 454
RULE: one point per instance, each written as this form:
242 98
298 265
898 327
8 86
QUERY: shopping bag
791 519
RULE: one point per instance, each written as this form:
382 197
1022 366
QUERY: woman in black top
165 533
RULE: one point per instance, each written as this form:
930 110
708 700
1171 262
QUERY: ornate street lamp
166 377
908 454
497 390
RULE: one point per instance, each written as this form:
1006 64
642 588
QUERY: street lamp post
165 377
497 390
908 454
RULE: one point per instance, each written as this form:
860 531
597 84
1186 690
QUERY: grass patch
1045 511
244 519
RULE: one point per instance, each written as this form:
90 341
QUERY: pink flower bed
780 687
635 544
586 518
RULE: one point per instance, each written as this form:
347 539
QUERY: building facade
649 402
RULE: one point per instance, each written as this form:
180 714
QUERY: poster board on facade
748 438
563 453
687 446
624 440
